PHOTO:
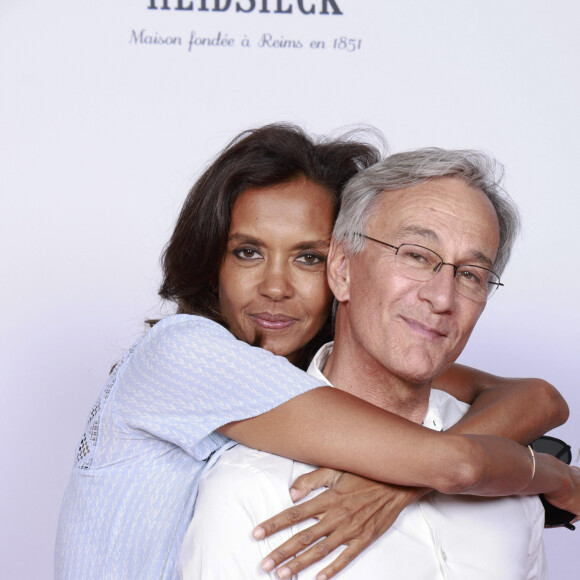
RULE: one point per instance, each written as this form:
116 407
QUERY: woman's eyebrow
245 239
320 244
313 245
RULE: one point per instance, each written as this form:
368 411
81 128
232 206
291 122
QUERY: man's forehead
450 195
429 212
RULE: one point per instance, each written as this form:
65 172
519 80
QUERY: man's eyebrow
482 258
432 236
422 232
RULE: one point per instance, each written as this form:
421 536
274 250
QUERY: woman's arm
352 435
396 450
355 511
350 517
497 402
519 409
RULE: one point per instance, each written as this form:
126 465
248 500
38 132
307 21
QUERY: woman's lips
269 321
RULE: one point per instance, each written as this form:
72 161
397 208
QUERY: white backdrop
102 132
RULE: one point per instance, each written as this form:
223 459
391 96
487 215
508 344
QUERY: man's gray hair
401 170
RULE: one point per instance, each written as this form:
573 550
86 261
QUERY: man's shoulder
240 456
261 480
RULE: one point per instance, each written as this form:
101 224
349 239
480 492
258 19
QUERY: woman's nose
276 282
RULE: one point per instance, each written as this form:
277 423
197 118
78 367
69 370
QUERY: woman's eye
247 254
310 258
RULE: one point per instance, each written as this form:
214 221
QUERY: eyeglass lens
421 264
555 447
554 516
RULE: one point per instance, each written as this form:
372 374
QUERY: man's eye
413 256
470 277
310 258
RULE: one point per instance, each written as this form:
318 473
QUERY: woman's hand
354 511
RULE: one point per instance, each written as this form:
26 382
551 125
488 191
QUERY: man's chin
419 380
420 371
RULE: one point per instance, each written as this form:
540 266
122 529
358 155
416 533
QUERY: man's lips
424 329
269 321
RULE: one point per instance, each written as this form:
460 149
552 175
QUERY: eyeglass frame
439 266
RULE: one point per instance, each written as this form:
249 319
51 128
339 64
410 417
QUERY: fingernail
259 533
284 573
322 577
268 564
294 494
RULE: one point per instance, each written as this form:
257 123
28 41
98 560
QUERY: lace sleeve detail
88 445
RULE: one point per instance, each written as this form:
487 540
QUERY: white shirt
440 537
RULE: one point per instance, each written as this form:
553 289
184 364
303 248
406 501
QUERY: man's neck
360 375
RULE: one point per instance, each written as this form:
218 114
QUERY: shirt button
444 555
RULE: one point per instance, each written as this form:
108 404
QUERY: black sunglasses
555 517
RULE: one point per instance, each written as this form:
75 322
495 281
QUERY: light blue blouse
150 435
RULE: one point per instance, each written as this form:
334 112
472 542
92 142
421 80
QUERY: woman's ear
338 271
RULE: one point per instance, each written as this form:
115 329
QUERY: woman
188 384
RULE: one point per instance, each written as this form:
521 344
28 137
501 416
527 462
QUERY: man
418 247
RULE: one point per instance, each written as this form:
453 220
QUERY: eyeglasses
555 517
419 263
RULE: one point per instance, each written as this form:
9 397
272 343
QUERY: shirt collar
433 419
319 362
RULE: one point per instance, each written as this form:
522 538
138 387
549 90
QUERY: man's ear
338 271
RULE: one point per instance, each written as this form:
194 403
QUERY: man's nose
276 282
440 289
